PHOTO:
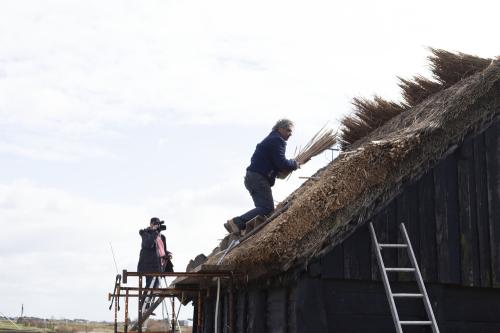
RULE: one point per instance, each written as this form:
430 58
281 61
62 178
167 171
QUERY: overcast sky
115 111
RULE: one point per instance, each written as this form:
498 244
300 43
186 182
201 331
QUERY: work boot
231 227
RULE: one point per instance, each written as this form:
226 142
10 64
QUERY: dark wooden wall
348 306
452 215
257 310
361 306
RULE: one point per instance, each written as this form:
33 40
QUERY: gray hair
283 123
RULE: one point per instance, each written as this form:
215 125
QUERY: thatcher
323 213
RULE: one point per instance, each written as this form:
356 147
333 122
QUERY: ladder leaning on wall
391 297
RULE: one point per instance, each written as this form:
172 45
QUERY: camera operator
154 257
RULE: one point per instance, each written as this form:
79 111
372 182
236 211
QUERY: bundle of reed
321 141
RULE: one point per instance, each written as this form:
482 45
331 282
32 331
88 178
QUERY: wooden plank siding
310 307
447 225
276 316
241 311
332 305
452 214
208 314
256 315
466 212
427 221
332 264
291 310
407 213
481 195
357 261
493 185
224 316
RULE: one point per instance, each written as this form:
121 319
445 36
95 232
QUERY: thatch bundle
321 141
368 115
447 69
416 90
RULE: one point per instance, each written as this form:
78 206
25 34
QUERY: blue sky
112 112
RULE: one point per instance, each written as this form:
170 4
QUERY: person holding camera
154 257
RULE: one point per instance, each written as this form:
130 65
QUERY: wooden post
200 314
173 314
231 307
126 312
117 297
139 302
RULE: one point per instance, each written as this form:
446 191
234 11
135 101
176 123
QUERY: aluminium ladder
418 276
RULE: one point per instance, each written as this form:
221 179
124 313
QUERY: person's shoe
231 227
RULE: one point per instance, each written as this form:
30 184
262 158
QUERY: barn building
434 166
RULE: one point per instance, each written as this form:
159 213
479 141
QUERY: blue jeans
262 196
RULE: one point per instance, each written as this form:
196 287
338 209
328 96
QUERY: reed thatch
416 90
322 213
447 68
368 115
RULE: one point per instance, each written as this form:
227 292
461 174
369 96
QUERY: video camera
161 225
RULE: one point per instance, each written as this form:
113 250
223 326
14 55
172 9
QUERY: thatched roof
322 213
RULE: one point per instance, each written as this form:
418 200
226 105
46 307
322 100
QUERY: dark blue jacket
269 157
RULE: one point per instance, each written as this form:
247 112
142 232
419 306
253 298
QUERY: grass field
61 326
6 326
54 326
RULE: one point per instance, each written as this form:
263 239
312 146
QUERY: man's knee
267 209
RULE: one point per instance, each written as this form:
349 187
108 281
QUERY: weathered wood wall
321 305
361 306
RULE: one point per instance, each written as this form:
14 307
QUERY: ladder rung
415 322
400 269
393 245
408 295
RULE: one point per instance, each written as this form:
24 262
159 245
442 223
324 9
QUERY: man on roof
267 161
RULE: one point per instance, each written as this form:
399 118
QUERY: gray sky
112 112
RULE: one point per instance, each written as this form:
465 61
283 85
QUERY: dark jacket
148 258
269 157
